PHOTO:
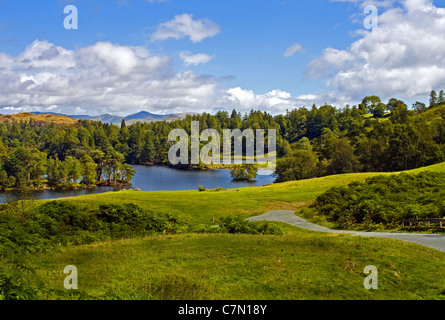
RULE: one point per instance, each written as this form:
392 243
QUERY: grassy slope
298 265
201 207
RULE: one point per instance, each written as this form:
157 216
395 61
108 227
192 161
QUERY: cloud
184 26
44 55
403 57
292 50
332 59
194 59
111 78
104 77
275 102
120 60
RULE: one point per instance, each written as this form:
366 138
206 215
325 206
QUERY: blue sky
201 55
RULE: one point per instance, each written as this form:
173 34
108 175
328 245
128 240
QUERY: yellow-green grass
201 207
298 265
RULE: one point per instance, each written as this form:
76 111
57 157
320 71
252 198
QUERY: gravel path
435 241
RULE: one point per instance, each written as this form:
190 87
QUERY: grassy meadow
299 264
201 207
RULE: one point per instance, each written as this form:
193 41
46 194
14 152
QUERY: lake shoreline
69 188
148 178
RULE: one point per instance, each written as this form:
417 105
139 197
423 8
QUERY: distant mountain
105 118
108 118
142 116
84 117
146 115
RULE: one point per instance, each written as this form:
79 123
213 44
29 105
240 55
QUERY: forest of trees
360 139
56 157
311 142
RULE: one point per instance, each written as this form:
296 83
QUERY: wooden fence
424 224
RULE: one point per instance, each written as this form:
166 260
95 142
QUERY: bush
218 189
56 223
62 212
19 238
131 220
297 165
60 222
125 214
238 225
244 172
384 201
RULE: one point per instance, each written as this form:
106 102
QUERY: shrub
244 172
19 282
384 201
239 225
63 212
129 220
60 222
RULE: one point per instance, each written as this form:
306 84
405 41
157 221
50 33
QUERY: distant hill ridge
142 116
39 119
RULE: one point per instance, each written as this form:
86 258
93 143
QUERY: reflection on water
160 178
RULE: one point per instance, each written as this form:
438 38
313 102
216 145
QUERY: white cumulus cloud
194 59
403 57
292 50
104 77
184 25
275 101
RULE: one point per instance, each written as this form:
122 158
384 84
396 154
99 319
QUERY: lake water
160 178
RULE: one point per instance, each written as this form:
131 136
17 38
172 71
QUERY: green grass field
297 265
200 207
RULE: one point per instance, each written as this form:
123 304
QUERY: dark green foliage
244 172
311 142
300 164
384 201
58 223
371 103
63 212
238 225
61 222
343 159
342 140
18 281
130 220
379 110
19 237
433 99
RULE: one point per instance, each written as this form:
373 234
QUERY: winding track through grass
301 264
435 241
